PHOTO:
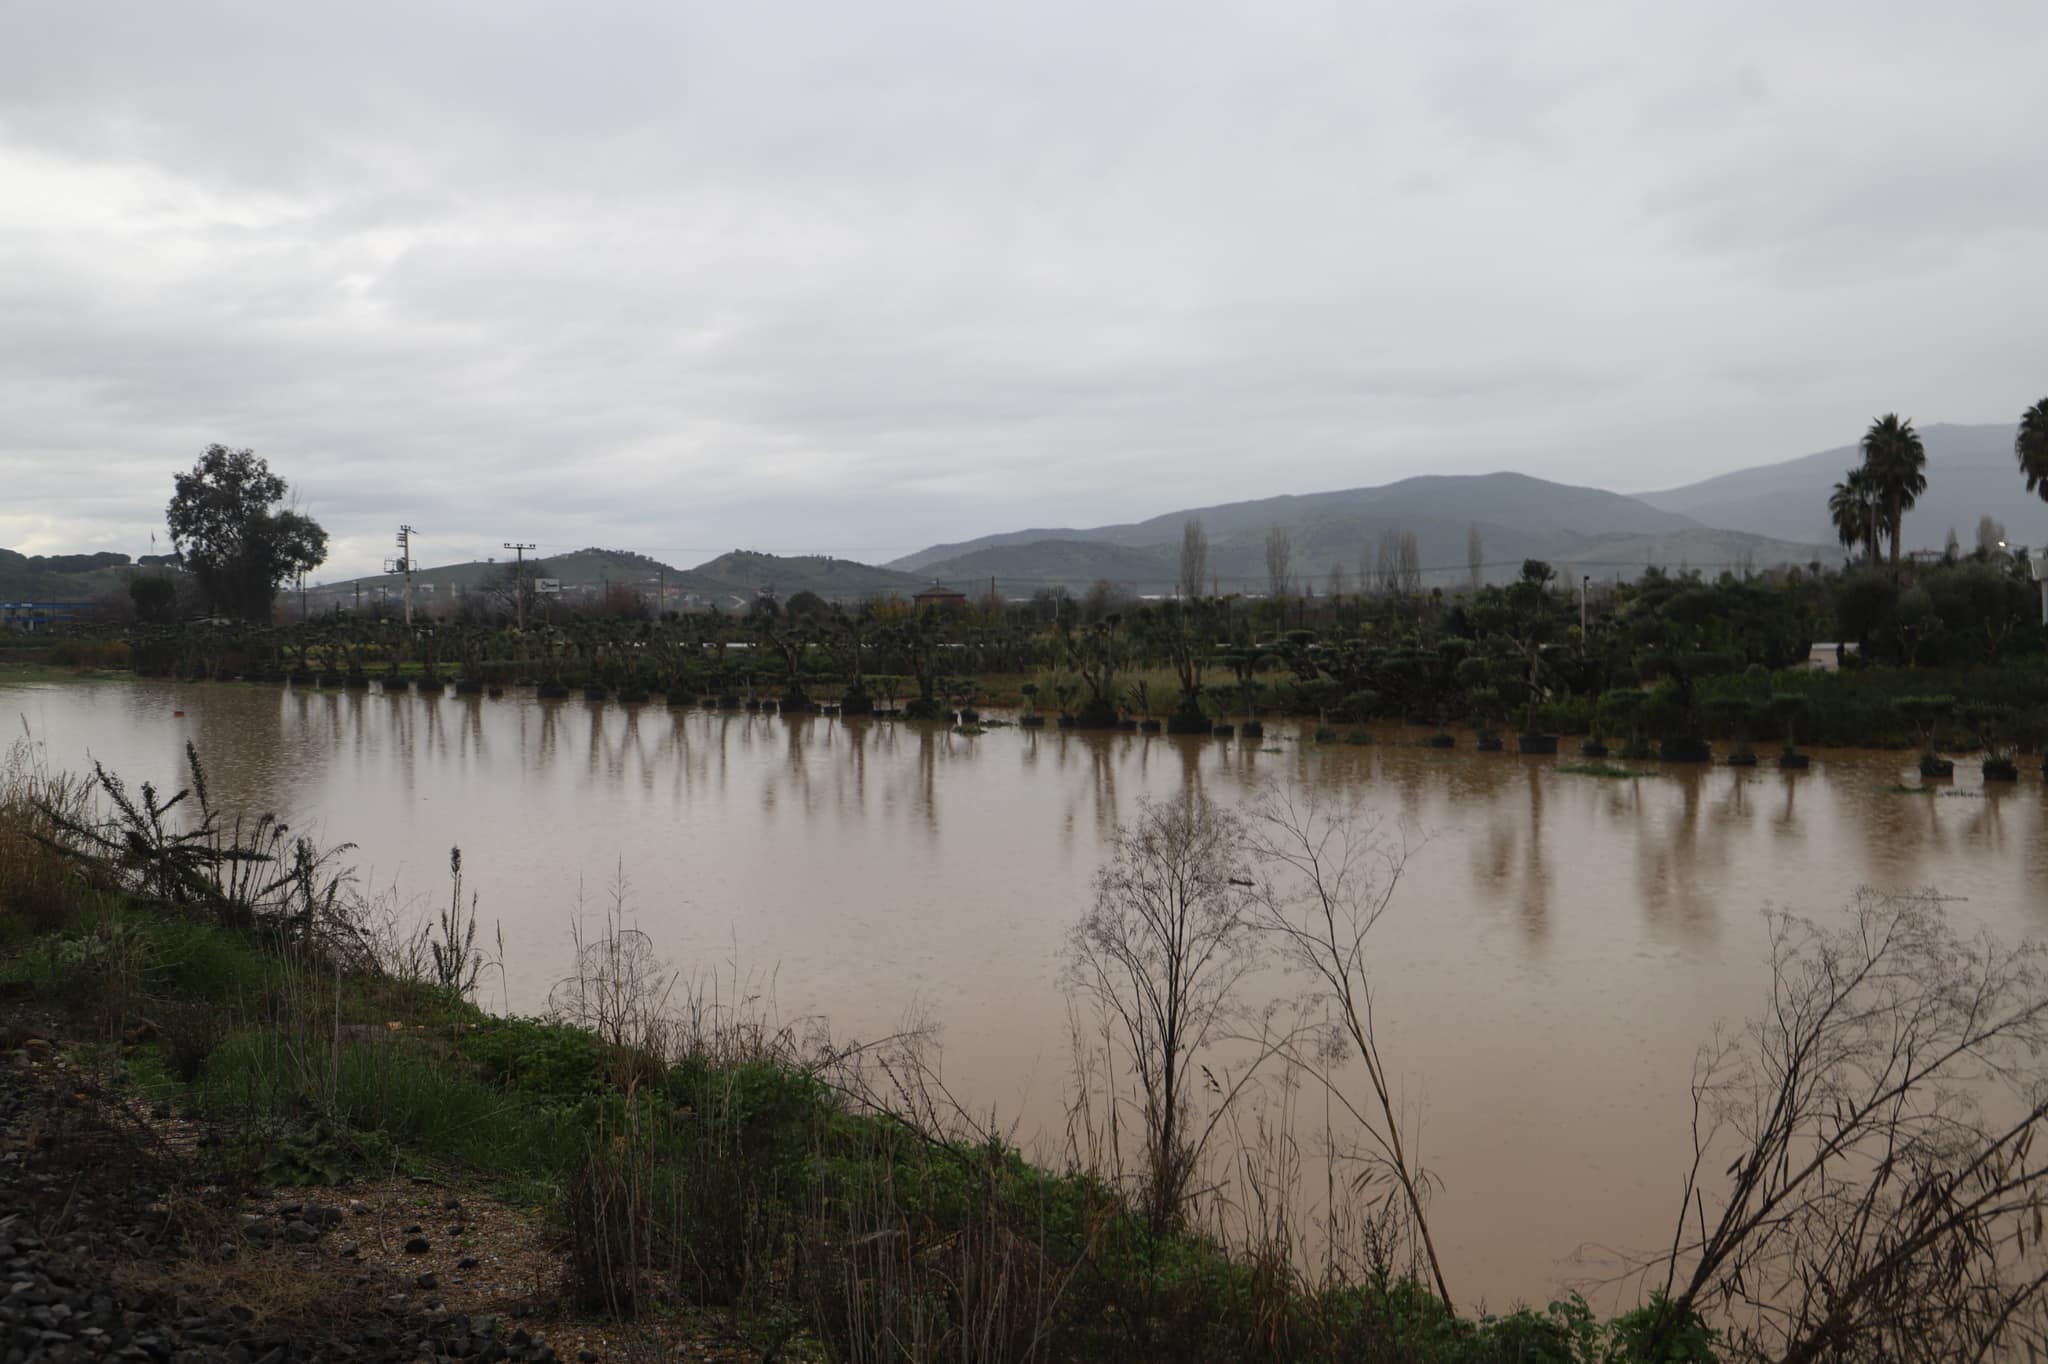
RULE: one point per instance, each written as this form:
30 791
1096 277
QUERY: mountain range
1971 472
1757 517
730 579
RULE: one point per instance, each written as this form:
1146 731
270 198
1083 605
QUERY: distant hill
1971 472
746 572
61 577
730 579
1533 505
1518 517
579 568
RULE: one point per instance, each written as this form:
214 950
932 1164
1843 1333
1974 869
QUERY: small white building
1827 658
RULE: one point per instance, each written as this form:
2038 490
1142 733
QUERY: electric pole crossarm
519 548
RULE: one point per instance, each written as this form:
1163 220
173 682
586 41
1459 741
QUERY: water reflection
1560 945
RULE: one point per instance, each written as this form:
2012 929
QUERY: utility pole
519 548
403 564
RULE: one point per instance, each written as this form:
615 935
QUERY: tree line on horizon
235 530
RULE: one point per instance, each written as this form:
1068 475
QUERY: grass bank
822 1199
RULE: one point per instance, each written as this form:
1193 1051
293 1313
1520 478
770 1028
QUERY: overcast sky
856 277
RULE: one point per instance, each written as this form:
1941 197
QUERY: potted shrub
1790 708
1992 725
1187 715
1485 703
890 685
1595 745
1064 691
1731 716
1030 719
1532 740
1140 699
1924 713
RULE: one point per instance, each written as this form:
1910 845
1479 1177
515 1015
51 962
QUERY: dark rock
418 1245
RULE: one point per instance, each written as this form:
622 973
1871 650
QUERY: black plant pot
796 703
633 696
1097 714
396 684
1441 741
596 691
1592 748
496 692
1933 766
1741 760
677 696
856 703
1539 745
552 691
1223 731
751 703
1128 726
469 687
969 716
1794 762
2001 769
1252 729
728 702
1684 750
357 682
1031 721
1149 726
1068 722
1187 722
433 684
1489 743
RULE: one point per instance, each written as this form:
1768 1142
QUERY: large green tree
1854 508
2031 445
1897 462
233 534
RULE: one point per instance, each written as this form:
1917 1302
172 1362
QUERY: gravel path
112 1247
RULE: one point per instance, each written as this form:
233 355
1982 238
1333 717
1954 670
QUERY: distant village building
942 597
41 615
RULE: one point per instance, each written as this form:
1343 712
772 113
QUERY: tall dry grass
38 881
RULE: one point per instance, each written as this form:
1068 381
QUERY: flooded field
1560 945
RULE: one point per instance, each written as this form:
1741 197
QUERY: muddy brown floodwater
1559 948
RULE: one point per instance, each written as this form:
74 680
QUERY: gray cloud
858 278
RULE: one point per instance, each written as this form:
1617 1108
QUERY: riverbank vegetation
1665 665
695 1156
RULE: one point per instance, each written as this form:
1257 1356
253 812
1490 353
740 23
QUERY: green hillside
61 577
747 572
739 574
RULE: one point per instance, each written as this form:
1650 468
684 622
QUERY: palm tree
1897 462
1854 507
2031 445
